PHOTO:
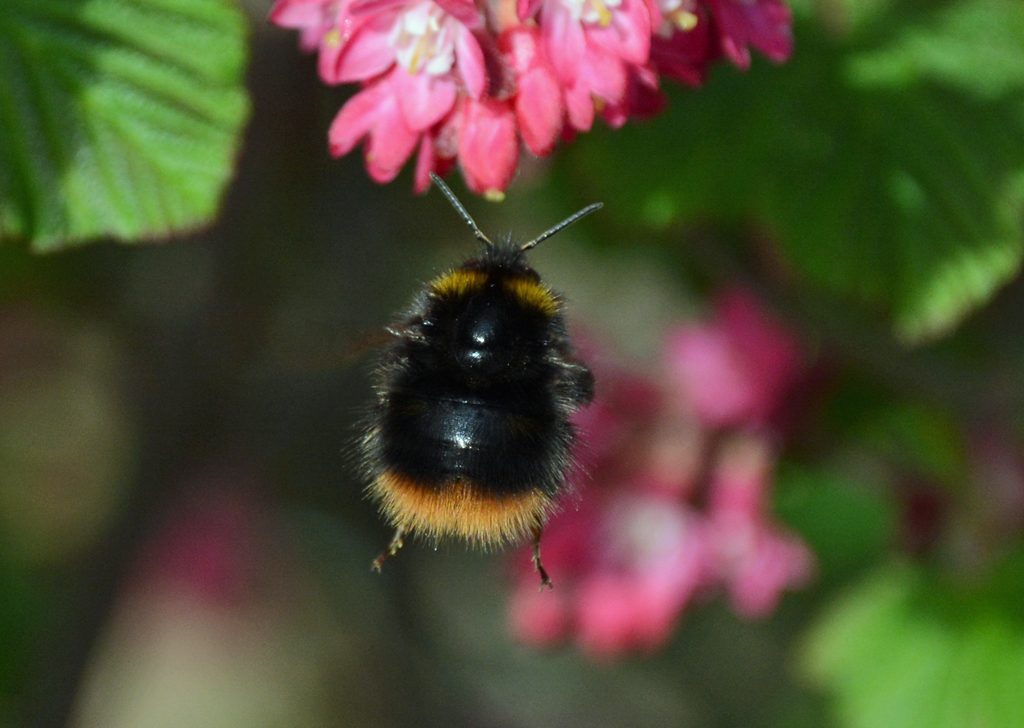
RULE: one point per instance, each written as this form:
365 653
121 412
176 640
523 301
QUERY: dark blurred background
183 535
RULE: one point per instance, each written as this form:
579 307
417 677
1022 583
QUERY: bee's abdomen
505 451
460 466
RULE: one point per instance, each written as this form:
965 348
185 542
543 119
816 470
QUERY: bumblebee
470 435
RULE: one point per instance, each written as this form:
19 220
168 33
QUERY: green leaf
972 45
888 162
848 526
905 650
918 439
118 118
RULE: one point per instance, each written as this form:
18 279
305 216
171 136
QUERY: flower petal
521 47
765 24
368 53
446 134
604 74
424 99
708 374
655 15
643 98
538 102
771 353
579 107
372 7
538 618
309 17
391 143
488 147
686 55
425 161
356 118
564 40
465 11
526 9
540 110
469 59
327 61
297 13
628 36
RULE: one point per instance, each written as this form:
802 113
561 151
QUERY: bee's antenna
462 210
561 226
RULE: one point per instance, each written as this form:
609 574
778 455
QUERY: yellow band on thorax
458 283
533 294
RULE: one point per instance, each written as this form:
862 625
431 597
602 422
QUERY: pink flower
736 368
432 41
625 402
466 82
682 47
619 27
417 57
765 24
591 45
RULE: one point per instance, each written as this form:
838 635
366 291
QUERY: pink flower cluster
458 81
676 503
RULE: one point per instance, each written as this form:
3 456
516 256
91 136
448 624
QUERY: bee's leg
391 550
545 581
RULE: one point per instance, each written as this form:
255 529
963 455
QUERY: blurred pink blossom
629 567
755 559
737 368
212 544
676 501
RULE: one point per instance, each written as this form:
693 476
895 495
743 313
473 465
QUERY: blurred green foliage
917 440
886 157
